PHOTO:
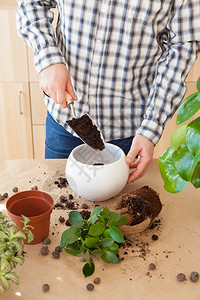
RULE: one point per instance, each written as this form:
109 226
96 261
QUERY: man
124 62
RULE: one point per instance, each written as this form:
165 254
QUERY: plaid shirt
123 78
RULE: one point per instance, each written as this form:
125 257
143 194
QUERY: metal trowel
85 128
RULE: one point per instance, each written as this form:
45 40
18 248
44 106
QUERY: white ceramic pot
97 182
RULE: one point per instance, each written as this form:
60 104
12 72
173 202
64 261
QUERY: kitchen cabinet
15 121
15 113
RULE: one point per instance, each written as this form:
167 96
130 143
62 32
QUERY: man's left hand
144 149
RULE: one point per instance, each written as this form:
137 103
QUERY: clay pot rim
31 194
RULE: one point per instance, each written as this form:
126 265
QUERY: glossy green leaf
122 221
96 211
114 248
178 137
106 233
193 136
105 259
88 269
69 236
198 85
105 213
96 229
116 235
107 242
97 253
188 108
112 258
91 242
114 218
73 249
196 176
173 183
184 162
82 260
75 218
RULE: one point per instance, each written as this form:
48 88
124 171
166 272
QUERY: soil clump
139 205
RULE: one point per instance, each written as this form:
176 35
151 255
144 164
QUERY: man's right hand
55 82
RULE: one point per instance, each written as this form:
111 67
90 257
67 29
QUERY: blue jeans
59 142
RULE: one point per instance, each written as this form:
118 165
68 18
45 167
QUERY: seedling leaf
112 258
96 229
88 269
75 218
116 235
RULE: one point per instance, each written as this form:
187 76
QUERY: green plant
97 237
180 163
11 249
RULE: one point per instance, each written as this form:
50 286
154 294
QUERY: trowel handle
70 103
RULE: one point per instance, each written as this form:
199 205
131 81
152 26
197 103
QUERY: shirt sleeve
34 24
169 86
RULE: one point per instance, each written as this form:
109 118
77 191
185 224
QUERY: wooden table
176 250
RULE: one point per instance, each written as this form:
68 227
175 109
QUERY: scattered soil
84 206
87 131
85 214
61 219
61 182
154 237
66 204
140 204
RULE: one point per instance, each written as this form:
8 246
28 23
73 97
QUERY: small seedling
11 249
96 237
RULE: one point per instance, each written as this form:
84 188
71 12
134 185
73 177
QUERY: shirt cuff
45 57
151 130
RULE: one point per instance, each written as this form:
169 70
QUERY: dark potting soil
85 214
141 204
87 131
98 164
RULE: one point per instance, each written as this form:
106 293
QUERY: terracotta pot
35 205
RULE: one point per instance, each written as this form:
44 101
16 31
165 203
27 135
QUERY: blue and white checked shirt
121 76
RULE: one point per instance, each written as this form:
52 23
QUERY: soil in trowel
87 131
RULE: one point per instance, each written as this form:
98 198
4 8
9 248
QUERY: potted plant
97 237
179 164
11 249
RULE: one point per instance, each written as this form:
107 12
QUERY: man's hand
55 82
144 149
